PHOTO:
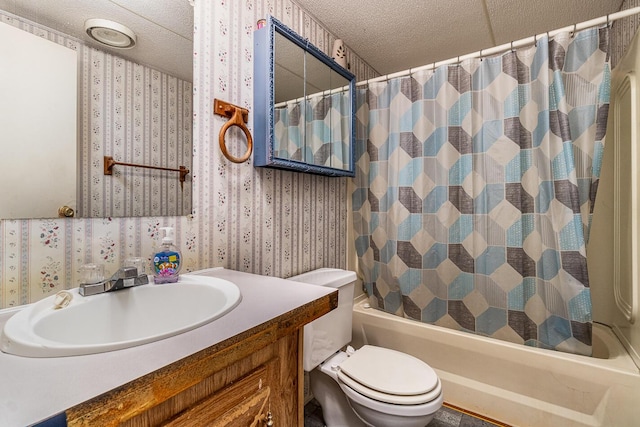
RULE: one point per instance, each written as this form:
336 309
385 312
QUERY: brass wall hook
238 116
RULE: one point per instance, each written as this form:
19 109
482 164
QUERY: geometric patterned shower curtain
314 130
475 185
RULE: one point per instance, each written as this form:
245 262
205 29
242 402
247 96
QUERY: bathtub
511 383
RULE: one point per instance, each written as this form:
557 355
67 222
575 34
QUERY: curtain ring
511 45
573 33
608 20
458 63
535 40
480 54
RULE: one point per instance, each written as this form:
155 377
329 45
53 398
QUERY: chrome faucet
126 277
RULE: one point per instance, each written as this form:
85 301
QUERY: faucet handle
91 279
91 273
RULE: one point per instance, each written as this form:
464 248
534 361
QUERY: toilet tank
329 333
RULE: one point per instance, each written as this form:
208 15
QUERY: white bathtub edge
530 387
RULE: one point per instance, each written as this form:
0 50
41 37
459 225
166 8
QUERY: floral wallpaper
263 221
136 115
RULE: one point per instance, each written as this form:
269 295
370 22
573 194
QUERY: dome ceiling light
110 33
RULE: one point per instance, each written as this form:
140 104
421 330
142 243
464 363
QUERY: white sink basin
116 320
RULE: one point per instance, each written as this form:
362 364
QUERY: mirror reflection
134 105
311 100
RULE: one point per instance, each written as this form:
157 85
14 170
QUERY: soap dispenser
167 260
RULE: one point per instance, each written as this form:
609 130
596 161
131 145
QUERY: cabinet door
230 387
243 403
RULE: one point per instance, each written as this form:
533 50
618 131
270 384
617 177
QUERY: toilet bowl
384 387
371 386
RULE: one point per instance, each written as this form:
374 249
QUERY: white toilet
371 386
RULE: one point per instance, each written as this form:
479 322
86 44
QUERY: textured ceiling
164 28
395 35
390 35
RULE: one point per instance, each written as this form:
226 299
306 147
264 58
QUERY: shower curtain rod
607 19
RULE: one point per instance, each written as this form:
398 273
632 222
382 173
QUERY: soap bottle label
166 266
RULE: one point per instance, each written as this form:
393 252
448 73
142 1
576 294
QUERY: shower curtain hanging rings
573 33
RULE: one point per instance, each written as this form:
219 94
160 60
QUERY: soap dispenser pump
167 260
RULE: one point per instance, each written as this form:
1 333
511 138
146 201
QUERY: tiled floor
445 417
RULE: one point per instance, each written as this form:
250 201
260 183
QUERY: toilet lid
388 372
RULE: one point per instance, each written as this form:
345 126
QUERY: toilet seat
393 399
389 376
390 408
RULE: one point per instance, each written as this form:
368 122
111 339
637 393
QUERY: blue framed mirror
304 105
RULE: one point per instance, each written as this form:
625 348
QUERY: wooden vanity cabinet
233 383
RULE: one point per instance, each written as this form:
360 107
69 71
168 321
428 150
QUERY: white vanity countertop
34 389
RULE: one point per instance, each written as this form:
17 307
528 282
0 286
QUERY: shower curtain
320 136
475 184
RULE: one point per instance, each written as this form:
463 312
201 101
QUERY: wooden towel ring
238 116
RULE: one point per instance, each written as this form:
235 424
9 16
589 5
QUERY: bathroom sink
117 320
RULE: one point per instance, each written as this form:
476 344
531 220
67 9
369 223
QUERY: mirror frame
264 100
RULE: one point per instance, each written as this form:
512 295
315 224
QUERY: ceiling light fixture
110 33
